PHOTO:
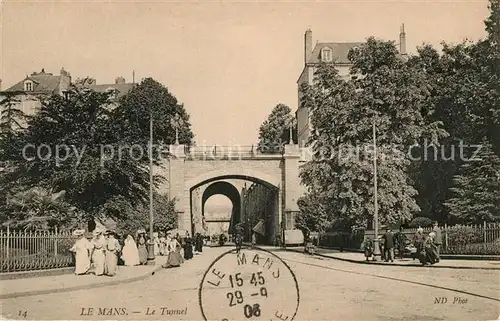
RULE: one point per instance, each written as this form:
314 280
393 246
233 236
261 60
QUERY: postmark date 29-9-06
253 284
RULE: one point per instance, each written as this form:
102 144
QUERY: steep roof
42 83
340 50
122 89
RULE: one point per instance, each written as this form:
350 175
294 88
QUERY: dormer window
326 55
28 85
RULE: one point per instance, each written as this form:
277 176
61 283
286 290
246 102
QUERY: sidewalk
71 282
406 262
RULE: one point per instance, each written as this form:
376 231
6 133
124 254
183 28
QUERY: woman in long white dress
163 244
81 248
156 242
112 250
130 254
98 255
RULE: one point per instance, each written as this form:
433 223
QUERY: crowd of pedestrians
104 252
425 248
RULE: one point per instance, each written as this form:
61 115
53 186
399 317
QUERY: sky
229 62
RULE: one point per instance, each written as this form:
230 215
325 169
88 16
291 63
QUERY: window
326 55
28 86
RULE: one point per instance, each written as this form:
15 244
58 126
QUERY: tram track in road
394 279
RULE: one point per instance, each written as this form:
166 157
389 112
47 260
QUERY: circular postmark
254 284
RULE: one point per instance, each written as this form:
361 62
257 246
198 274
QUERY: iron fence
457 239
35 250
232 151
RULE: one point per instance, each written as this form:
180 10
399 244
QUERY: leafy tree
420 221
39 208
492 56
77 127
465 96
11 124
274 132
477 189
136 107
164 215
342 116
89 153
312 216
11 116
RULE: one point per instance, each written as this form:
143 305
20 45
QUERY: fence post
445 236
55 242
8 247
484 233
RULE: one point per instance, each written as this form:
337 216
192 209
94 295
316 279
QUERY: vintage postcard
250 160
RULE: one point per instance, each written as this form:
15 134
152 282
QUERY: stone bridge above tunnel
186 170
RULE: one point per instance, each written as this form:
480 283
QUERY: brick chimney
119 80
308 42
64 80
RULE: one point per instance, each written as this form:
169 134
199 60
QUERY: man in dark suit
438 239
389 245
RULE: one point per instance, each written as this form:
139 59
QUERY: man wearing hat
438 240
81 248
98 256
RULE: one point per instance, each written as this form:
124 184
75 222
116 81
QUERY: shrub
460 236
420 221
475 249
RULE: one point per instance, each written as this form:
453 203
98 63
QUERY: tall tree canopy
82 144
11 117
465 86
343 112
433 107
151 97
275 130
476 190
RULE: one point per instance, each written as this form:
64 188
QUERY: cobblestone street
329 290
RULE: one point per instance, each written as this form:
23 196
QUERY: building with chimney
325 52
117 90
29 91
33 88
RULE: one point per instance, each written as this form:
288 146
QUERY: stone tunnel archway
230 191
213 177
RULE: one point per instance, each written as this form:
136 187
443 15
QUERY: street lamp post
151 254
376 250
177 122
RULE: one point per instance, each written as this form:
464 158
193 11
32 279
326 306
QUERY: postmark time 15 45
252 285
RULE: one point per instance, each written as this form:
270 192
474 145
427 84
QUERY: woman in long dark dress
238 241
174 258
429 253
179 247
368 248
188 248
198 243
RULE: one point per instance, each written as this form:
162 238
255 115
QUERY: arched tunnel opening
251 204
227 224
